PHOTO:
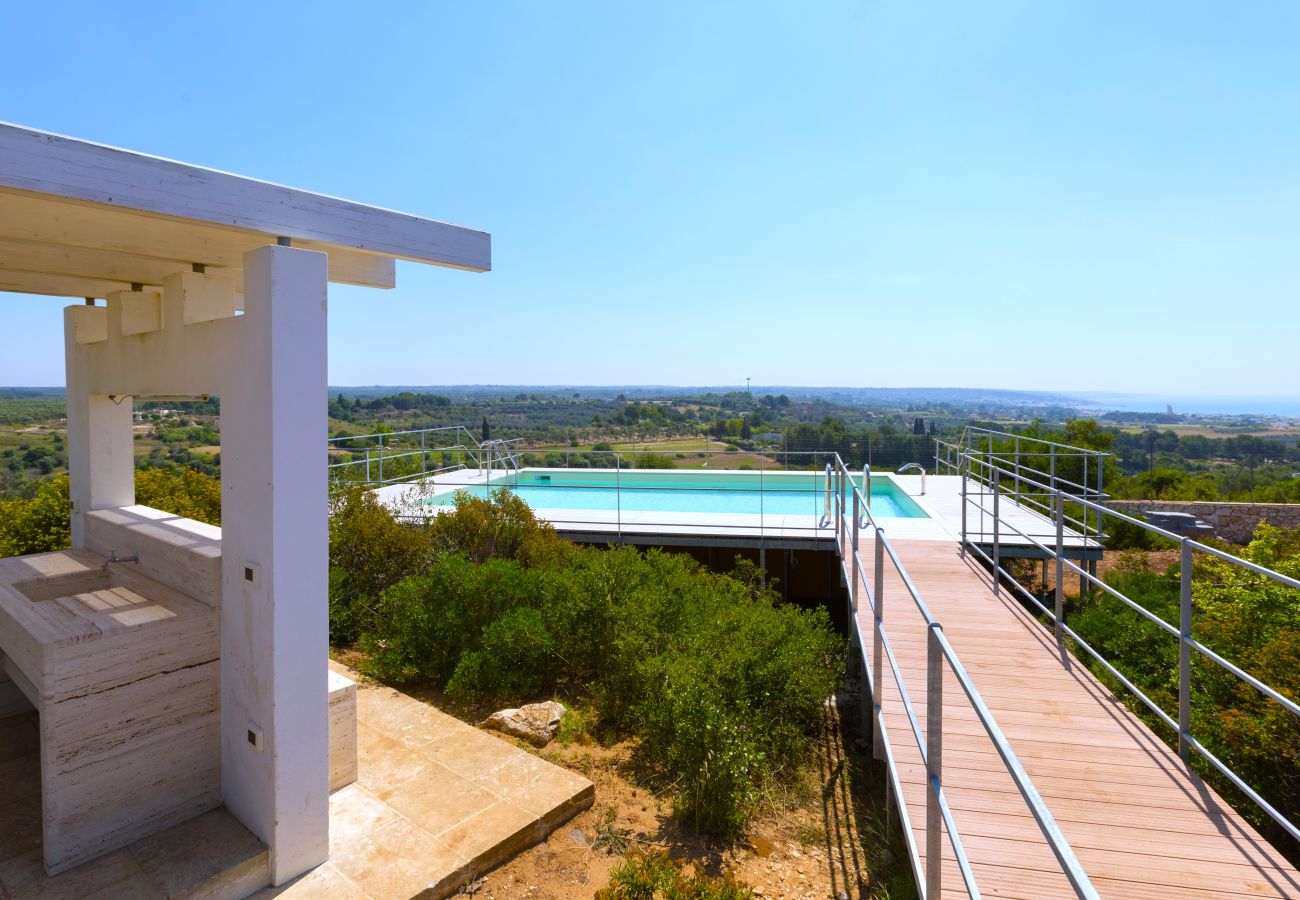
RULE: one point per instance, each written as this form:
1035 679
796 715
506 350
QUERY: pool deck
941 503
671 527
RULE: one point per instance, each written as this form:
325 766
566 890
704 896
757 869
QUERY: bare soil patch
822 840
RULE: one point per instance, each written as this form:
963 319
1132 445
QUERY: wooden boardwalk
1142 824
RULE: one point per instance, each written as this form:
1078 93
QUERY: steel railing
809 519
1182 631
853 515
409 454
1077 471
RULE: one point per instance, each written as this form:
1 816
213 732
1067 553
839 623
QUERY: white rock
533 722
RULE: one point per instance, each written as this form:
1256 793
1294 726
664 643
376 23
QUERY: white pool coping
403 500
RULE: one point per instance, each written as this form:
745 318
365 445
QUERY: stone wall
1234 522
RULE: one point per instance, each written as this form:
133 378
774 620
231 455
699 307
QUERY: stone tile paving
437 803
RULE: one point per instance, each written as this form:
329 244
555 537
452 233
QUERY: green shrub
720 681
653 876
500 527
420 627
369 552
183 492
654 461
514 659
42 522
39 523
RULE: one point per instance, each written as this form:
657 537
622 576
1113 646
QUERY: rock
533 722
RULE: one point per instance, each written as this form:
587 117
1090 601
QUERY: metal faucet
920 468
114 558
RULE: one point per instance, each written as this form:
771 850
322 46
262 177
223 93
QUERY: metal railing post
1017 482
827 509
963 469
367 465
866 486
1101 495
1060 567
997 539
381 459
1084 490
878 650
933 763
1185 653
853 550
839 507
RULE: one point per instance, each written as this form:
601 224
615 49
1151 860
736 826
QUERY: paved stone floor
437 803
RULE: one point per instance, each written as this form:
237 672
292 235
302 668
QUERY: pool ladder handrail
920 468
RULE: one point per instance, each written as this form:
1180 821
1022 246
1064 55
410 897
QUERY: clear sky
1040 195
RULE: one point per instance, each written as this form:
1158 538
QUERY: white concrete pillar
274 617
101 460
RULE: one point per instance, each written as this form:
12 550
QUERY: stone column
101 461
274 618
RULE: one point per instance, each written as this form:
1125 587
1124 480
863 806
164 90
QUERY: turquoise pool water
747 493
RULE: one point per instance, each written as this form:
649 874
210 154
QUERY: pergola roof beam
144 240
63 167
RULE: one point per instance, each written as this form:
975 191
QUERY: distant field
24 410
1214 432
673 444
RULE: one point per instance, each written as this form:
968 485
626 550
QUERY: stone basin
117 596
93 587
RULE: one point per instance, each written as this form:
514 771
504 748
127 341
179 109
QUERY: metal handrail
394 440
1182 725
920 468
930 740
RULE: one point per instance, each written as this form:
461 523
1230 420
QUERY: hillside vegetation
719 682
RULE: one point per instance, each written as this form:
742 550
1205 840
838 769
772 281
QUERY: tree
918 427
486 430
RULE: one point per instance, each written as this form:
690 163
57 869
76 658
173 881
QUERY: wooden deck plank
1142 824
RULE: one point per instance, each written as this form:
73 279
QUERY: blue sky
1005 194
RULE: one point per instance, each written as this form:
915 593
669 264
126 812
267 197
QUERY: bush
502 527
514 659
653 876
183 492
654 461
37 524
42 522
369 552
721 682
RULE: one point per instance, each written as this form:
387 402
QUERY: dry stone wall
1234 522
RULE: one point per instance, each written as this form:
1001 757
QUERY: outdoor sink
95 588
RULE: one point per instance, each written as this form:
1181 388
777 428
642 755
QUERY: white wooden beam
20 282
65 167
39 234
88 262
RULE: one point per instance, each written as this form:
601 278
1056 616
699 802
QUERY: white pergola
216 285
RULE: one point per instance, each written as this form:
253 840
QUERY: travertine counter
124 672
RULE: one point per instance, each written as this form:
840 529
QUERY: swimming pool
693 491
